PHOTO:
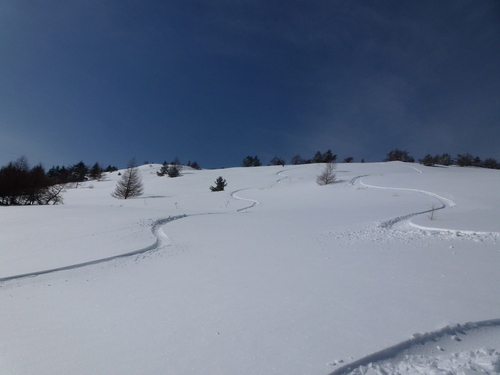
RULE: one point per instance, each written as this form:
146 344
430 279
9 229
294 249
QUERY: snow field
302 282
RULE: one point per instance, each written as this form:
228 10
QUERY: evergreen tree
399 155
110 169
195 165
328 157
78 172
490 163
427 160
250 161
171 170
96 172
465 160
220 184
247 162
445 159
163 169
317 158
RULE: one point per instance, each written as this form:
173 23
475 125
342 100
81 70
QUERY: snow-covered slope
275 275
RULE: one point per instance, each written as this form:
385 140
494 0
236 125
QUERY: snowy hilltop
391 269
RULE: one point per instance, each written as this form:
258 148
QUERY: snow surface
275 275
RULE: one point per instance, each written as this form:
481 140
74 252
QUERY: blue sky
213 81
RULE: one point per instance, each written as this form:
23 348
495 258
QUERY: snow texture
277 275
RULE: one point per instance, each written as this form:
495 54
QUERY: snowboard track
155 229
454 332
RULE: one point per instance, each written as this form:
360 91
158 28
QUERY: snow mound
483 361
467 349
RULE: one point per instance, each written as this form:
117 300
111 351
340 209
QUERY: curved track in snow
254 202
460 349
284 177
161 240
156 228
444 202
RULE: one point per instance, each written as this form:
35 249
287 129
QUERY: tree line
319 157
462 160
21 184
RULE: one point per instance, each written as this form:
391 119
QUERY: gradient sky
213 81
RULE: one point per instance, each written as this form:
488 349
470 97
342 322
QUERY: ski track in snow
446 351
254 202
457 349
161 241
445 203
284 177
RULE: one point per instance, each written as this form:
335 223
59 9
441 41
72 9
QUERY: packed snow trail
460 349
161 240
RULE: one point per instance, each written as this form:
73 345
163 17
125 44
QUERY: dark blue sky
213 81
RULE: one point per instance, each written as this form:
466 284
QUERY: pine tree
172 170
220 184
399 155
250 161
130 184
96 172
328 157
78 172
317 158
427 160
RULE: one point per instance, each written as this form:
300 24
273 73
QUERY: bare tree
348 159
52 194
297 159
130 184
277 161
327 176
